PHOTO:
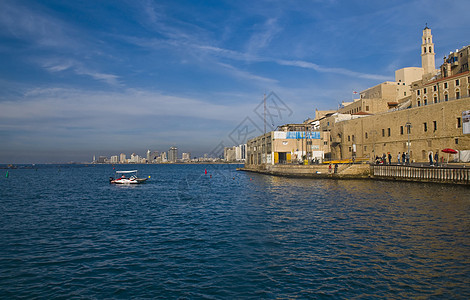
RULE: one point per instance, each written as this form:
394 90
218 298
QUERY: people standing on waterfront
384 159
398 157
329 169
430 158
403 157
436 158
389 158
336 168
407 156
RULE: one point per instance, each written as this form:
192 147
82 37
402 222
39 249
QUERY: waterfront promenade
450 174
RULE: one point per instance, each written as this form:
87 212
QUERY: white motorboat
127 177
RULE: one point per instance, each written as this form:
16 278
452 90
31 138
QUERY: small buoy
251 179
6 175
149 176
211 176
205 171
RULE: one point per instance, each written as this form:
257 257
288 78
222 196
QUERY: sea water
65 232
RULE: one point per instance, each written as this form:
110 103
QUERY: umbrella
449 151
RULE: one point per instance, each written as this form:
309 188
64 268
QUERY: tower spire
427 52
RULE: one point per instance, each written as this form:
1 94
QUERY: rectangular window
457 82
435 125
383 132
425 126
349 138
419 103
456 141
401 130
424 90
459 122
418 92
367 108
445 85
367 136
353 138
388 131
365 148
434 88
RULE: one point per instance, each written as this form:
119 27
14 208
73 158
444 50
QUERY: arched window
425 101
430 50
435 98
424 49
457 94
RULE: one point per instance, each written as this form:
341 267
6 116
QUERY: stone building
290 143
425 109
426 116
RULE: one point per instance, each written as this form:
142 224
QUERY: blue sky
84 78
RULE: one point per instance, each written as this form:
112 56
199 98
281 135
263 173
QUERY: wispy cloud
59 65
341 71
246 75
263 35
42 29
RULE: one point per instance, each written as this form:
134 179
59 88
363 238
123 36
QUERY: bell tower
427 52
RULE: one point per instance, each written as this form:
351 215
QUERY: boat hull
128 181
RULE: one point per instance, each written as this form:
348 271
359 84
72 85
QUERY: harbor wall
448 174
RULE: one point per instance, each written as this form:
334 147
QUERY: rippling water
66 232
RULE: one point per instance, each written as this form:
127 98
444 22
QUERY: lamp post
408 126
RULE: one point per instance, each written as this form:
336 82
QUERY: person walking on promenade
436 158
398 157
329 169
336 168
389 158
430 158
403 157
407 155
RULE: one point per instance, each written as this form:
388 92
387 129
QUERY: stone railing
414 173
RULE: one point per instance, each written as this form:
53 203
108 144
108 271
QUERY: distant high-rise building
114 159
163 157
173 154
153 156
186 156
240 152
135 159
148 155
122 158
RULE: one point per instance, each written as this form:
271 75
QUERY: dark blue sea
65 232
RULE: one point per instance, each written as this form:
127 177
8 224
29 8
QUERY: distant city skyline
84 79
